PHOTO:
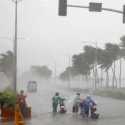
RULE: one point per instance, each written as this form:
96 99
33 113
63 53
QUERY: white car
32 86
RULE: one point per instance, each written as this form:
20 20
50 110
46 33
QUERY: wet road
112 112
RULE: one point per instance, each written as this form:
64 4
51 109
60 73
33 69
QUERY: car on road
32 86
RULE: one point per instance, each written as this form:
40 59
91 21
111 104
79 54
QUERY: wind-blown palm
108 57
7 64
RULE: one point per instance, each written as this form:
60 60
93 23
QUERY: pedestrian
81 106
21 100
76 103
55 101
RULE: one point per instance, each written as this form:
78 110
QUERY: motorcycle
62 107
94 114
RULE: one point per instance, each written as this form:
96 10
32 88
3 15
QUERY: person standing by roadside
55 102
21 100
76 103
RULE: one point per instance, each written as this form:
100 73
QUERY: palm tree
69 72
122 55
91 54
106 59
7 64
104 62
123 41
84 63
109 57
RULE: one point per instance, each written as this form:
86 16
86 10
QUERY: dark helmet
57 94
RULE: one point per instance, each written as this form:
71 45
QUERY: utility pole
15 44
15 48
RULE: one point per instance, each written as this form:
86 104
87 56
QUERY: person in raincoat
55 101
88 104
76 103
21 100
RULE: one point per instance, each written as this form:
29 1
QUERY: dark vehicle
94 114
32 86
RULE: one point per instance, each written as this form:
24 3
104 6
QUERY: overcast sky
48 39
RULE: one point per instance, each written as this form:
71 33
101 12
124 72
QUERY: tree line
7 67
95 62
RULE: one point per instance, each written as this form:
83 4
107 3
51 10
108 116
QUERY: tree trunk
101 81
93 80
95 74
114 76
120 72
107 79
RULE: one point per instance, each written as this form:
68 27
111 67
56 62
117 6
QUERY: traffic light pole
93 7
112 10
77 6
105 9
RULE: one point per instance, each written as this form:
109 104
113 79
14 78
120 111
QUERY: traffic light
124 14
62 7
96 7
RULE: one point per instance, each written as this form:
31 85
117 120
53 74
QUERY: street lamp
15 44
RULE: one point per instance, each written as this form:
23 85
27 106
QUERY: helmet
57 93
88 97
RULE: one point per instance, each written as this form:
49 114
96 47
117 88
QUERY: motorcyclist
88 104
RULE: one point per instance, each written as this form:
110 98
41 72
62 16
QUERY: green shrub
8 98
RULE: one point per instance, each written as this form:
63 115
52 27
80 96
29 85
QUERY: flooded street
66 47
111 111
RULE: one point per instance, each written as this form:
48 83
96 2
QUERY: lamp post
15 44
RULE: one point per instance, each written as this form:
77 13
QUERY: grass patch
111 92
